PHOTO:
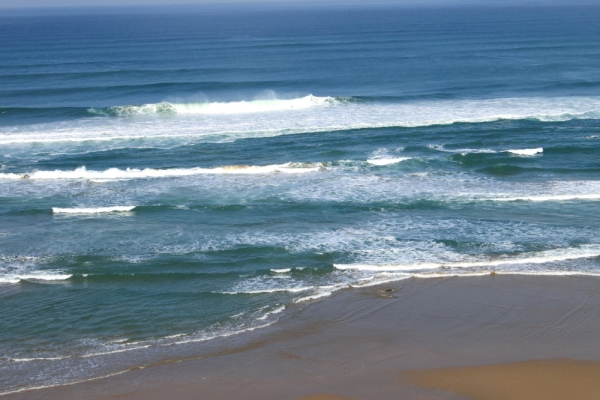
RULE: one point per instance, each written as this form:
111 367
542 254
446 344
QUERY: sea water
171 176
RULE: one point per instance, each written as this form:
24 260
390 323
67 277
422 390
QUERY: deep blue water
170 177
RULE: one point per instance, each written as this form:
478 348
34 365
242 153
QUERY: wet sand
438 338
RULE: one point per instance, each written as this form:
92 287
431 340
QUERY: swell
155 87
300 207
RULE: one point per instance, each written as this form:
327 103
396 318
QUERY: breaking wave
222 122
543 257
133 173
236 107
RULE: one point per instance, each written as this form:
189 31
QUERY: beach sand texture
488 337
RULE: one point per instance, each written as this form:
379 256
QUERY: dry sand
530 380
439 338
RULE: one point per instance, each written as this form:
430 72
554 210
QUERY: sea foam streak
96 210
116 173
543 257
219 122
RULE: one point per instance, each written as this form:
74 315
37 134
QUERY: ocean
169 177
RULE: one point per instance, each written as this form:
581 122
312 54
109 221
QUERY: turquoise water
168 178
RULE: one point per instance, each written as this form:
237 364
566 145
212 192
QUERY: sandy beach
487 337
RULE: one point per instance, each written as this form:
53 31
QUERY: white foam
281 270
275 311
96 210
561 197
387 161
527 152
38 276
133 173
316 296
37 359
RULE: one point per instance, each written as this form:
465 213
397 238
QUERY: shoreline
359 341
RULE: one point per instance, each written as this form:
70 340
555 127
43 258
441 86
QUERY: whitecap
281 270
36 276
387 161
527 152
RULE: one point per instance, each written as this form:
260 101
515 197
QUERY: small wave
40 276
236 107
275 311
527 152
544 257
133 173
281 271
96 210
387 161
316 296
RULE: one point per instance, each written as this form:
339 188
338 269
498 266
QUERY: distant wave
236 107
219 122
96 210
542 257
